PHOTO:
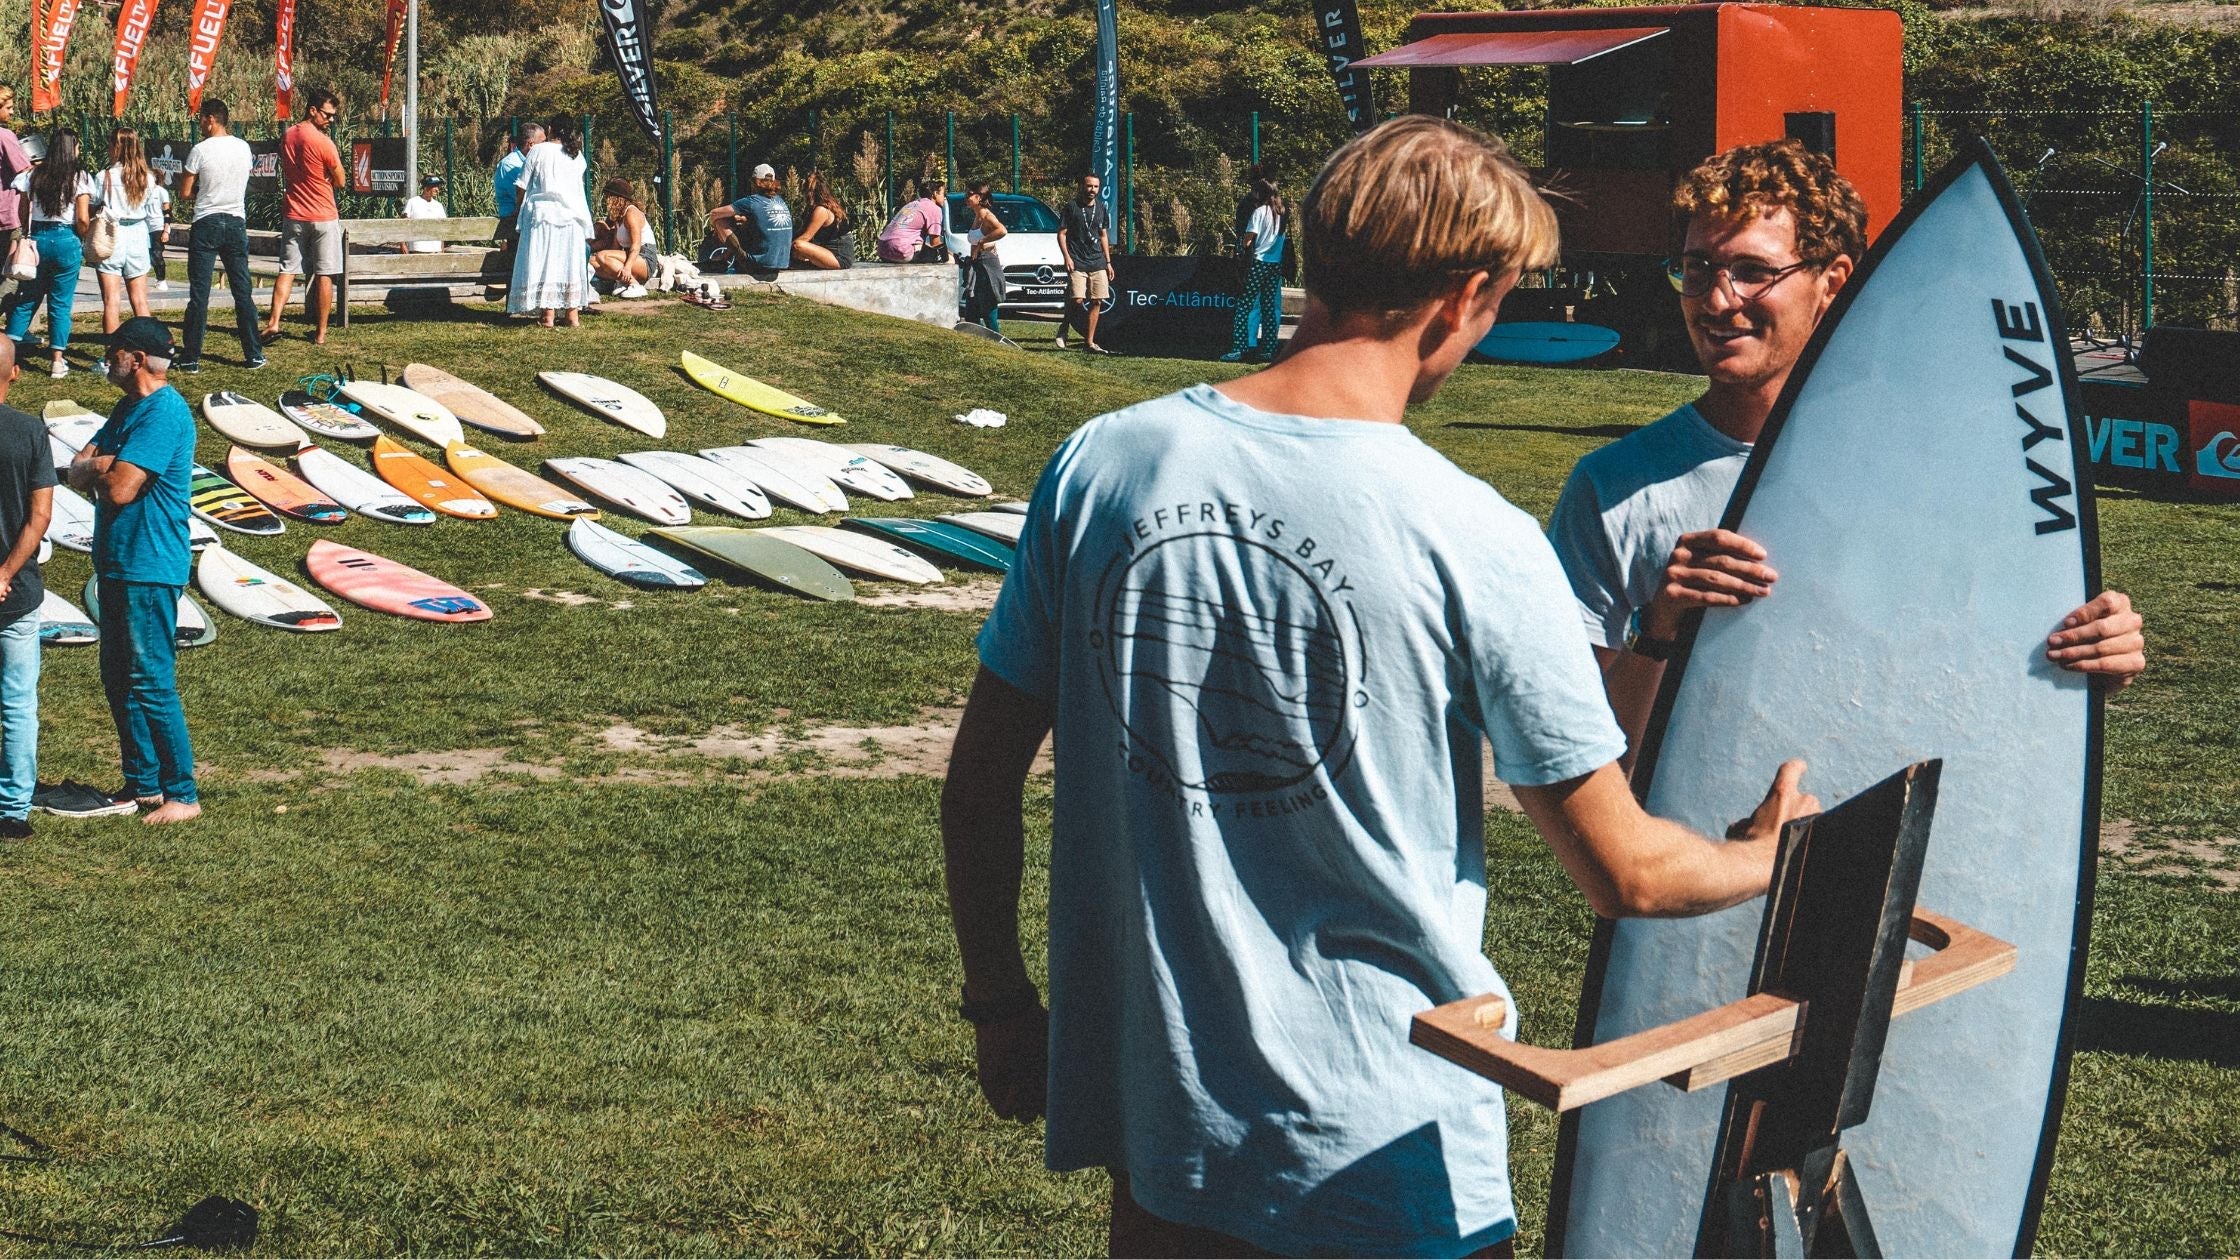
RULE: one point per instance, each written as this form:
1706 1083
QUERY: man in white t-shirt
426 206
1272 631
1773 233
217 182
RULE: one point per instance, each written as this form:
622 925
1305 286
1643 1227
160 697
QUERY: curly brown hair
1748 181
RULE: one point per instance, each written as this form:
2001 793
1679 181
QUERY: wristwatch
1013 1006
1647 648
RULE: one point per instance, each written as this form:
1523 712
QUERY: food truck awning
1513 48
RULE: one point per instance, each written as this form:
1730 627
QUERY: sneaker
71 799
15 829
163 286
190 368
1234 356
100 367
59 370
631 291
255 363
1060 341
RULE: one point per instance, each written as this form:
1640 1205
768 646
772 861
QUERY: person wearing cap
758 227
26 505
425 206
138 468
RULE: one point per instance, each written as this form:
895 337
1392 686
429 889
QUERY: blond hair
1752 180
1405 211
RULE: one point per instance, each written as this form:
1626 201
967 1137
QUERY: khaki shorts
309 248
1090 286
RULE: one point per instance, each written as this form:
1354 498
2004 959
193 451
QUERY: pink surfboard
383 585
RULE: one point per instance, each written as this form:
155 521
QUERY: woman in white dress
549 272
131 196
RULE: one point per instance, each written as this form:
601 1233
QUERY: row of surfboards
434 406
807 560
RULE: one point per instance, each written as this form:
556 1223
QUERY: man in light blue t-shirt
1272 632
1773 233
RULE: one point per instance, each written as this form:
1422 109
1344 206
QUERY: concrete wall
926 292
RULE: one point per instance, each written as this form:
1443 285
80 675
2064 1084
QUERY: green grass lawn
556 993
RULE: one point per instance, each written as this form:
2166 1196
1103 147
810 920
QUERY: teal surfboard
1529 342
952 545
194 627
1924 491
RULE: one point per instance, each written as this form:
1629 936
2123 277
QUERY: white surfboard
931 470
860 552
255 594
845 467
72 430
249 422
703 481
64 624
61 452
326 419
358 490
1002 526
607 400
1017 507
199 534
788 479
71 526
631 489
415 413
623 557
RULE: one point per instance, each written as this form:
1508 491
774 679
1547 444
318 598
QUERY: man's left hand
2104 639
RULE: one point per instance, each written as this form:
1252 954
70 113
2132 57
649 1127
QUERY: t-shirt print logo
1227 662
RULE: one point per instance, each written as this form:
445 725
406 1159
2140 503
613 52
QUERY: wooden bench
371 254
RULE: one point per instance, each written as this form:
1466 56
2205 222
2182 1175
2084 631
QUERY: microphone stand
2123 235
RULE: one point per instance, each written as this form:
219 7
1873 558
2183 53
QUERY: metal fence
2138 210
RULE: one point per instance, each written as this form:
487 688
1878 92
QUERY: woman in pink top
13 162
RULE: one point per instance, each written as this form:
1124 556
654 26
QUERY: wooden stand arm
1702 1050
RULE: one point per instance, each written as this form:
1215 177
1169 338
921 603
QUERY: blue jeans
19 714
139 649
60 257
219 238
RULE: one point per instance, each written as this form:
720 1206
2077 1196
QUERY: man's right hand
1711 568
1782 805
1014 1064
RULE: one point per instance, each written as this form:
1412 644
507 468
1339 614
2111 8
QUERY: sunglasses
1693 275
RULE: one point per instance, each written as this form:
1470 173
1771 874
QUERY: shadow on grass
1561 430
2161 1032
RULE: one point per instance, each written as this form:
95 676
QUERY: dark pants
220 237
1137 1233
139 653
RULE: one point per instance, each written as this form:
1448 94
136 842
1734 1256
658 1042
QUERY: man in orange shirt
311 224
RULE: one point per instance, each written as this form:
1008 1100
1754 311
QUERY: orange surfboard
427 482
281 490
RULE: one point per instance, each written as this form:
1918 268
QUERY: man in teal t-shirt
140 468
1271 632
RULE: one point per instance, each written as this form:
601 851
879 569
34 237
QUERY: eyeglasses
1692 275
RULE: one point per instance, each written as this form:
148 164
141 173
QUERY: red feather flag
132 31
284 60
203 34
52 38
393 37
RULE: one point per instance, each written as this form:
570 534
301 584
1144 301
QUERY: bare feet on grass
172 812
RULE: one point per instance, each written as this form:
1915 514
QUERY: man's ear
1833 277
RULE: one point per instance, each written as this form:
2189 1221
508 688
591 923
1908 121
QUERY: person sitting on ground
825 242
1773 232
626 254
1273 631
758 228
426 206
914 234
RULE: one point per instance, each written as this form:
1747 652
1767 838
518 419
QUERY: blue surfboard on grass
948 544
1546 342
1923 489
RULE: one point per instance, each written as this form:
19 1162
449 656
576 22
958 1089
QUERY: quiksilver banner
124 57
629 30
284 60
1104 134
1340 21
49 40
203 35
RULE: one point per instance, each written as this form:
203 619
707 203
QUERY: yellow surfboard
749 392
512 485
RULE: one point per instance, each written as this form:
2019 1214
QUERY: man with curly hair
1773 234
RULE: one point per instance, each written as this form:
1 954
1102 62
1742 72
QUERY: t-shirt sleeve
42 473
1263 224
1582 546
1539 693
1019 642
